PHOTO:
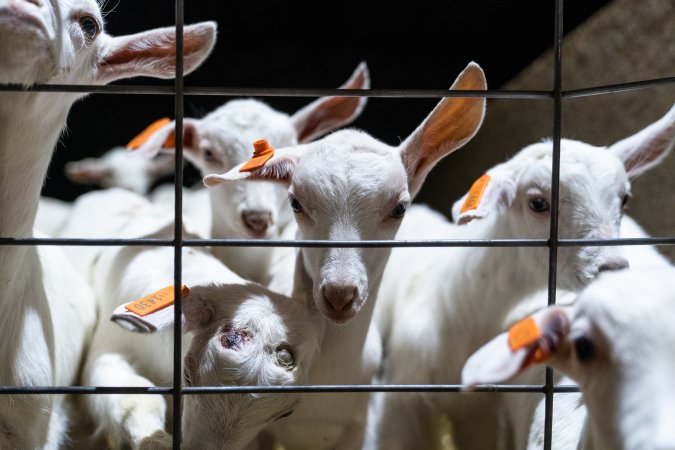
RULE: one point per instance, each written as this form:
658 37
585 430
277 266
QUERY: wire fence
179 91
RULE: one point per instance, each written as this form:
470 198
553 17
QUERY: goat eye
296 206
398 211
90 27
539 205
584 349
285 357
624 200
209 156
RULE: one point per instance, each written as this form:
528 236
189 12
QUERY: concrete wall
627 40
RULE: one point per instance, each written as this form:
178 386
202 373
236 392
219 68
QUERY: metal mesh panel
179 91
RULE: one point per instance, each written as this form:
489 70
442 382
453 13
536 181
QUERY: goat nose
256 220
613 264
339 296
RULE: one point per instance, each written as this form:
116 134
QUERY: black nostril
35 2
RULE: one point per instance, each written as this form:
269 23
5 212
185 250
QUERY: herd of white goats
259 316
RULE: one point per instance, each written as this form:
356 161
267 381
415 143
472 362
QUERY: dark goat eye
539 205
90 27
584 348
285 357
296 206
624 200
209 156
398 211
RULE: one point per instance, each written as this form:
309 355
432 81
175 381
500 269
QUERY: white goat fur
626 318
222 140
120 358
46 312
348 186
434 314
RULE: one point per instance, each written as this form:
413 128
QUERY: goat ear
196 312
328 113
164 139
453 123
532 340
87 171
278 168
491 193
648 147
153 53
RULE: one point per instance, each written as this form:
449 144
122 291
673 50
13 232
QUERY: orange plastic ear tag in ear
523 334
154 302
146 134
475 193
262 152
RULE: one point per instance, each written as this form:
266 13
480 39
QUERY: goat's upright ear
648 147
328 113
491 193
153 53
88 171
278 168
164 139
532 340
453 123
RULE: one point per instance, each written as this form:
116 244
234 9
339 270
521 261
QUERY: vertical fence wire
178 229
176 391
555 199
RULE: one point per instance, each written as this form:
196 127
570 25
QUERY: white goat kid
46 311
243 335
349 186
223 139
435 314
616 342
116 168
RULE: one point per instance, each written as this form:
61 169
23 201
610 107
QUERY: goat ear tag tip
262 152
475 194
146 134
154 302
523 334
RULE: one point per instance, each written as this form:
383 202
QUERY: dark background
414 44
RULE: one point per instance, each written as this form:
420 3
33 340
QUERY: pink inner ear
157 48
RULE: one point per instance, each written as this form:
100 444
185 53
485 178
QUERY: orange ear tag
146 134
154 302
262 152
475 193
523 334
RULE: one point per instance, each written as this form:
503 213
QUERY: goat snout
339 298
617 263
256 221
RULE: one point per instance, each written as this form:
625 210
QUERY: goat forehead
250 120
340 173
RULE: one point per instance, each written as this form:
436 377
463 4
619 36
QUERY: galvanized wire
179 91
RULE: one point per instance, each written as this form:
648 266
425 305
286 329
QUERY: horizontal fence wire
151 242
150 89
298 389
179 91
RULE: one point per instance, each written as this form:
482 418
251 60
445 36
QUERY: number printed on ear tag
154 302
475 193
